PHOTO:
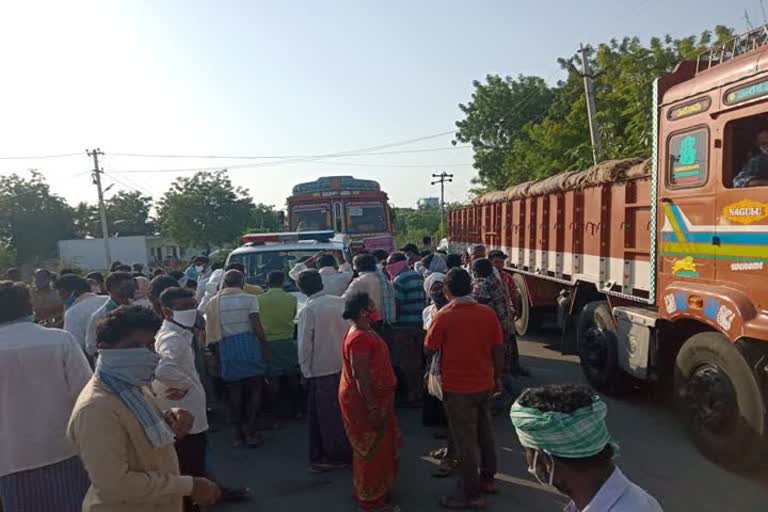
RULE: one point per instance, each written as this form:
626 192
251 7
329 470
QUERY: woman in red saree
367 399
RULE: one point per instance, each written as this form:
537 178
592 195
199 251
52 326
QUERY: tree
86 219
205 210
411 225
522 129
128 214
494 118
32 219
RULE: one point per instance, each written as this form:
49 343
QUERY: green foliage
206 210
522 129
128 214
32 219
86 217
7 257
411 225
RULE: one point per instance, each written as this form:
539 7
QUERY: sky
292 80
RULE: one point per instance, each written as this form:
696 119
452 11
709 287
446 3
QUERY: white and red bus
354 207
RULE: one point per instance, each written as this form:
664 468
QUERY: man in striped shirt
410 301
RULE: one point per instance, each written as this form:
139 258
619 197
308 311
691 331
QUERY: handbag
434 380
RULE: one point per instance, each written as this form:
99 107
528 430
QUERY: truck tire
528 318
720 400
597 346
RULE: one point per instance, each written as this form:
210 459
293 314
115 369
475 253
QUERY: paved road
655 453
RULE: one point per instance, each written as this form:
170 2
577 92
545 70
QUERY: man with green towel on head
567 445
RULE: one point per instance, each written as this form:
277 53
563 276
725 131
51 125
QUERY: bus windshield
366 218
311 219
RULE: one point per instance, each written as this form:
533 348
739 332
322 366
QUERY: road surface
655 453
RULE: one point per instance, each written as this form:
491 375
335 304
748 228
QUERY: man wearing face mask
80 304
177 383
755 173
125 440
121 288
567 446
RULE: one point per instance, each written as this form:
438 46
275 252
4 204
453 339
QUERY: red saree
375 462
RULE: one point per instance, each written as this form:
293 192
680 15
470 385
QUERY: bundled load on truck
610 171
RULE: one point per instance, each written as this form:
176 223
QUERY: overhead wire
293 159
37 157
273 157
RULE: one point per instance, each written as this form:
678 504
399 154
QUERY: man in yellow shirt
278 314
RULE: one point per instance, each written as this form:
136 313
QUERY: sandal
439 453
452 503
232 495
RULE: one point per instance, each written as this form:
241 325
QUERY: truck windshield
366 218
259 264
311 219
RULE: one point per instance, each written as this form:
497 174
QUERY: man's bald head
234 279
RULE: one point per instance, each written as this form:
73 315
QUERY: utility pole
441 179
102 209
589 88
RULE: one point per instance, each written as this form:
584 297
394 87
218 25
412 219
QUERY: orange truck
658 269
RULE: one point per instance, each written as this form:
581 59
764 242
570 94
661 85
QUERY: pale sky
281 78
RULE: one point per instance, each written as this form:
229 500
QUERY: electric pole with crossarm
102 209
442 178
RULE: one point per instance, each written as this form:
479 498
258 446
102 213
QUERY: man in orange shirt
469 338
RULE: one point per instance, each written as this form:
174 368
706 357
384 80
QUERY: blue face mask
132 365
69 301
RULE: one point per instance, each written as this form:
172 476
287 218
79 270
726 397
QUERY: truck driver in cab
755 172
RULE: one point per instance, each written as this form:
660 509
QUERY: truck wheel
720 400
597 347
528 318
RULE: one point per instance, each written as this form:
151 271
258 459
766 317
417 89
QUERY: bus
354 207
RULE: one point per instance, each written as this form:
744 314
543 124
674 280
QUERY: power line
274 157
36 157
35 190
128 184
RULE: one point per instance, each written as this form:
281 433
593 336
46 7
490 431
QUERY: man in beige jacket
125 442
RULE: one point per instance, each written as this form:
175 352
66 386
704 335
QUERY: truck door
742 206
687 213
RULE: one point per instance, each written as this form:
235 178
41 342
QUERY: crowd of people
133 365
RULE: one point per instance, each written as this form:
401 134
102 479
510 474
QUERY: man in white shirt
177 383
335 280
121 288
79 305
320 336
42 372
567 444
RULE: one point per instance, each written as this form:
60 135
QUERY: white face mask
764 149
532 470
199 268
185 318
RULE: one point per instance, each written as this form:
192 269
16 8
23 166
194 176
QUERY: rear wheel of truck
719 398
597 346
528 318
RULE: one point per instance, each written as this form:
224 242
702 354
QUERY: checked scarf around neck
124 371
578 435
